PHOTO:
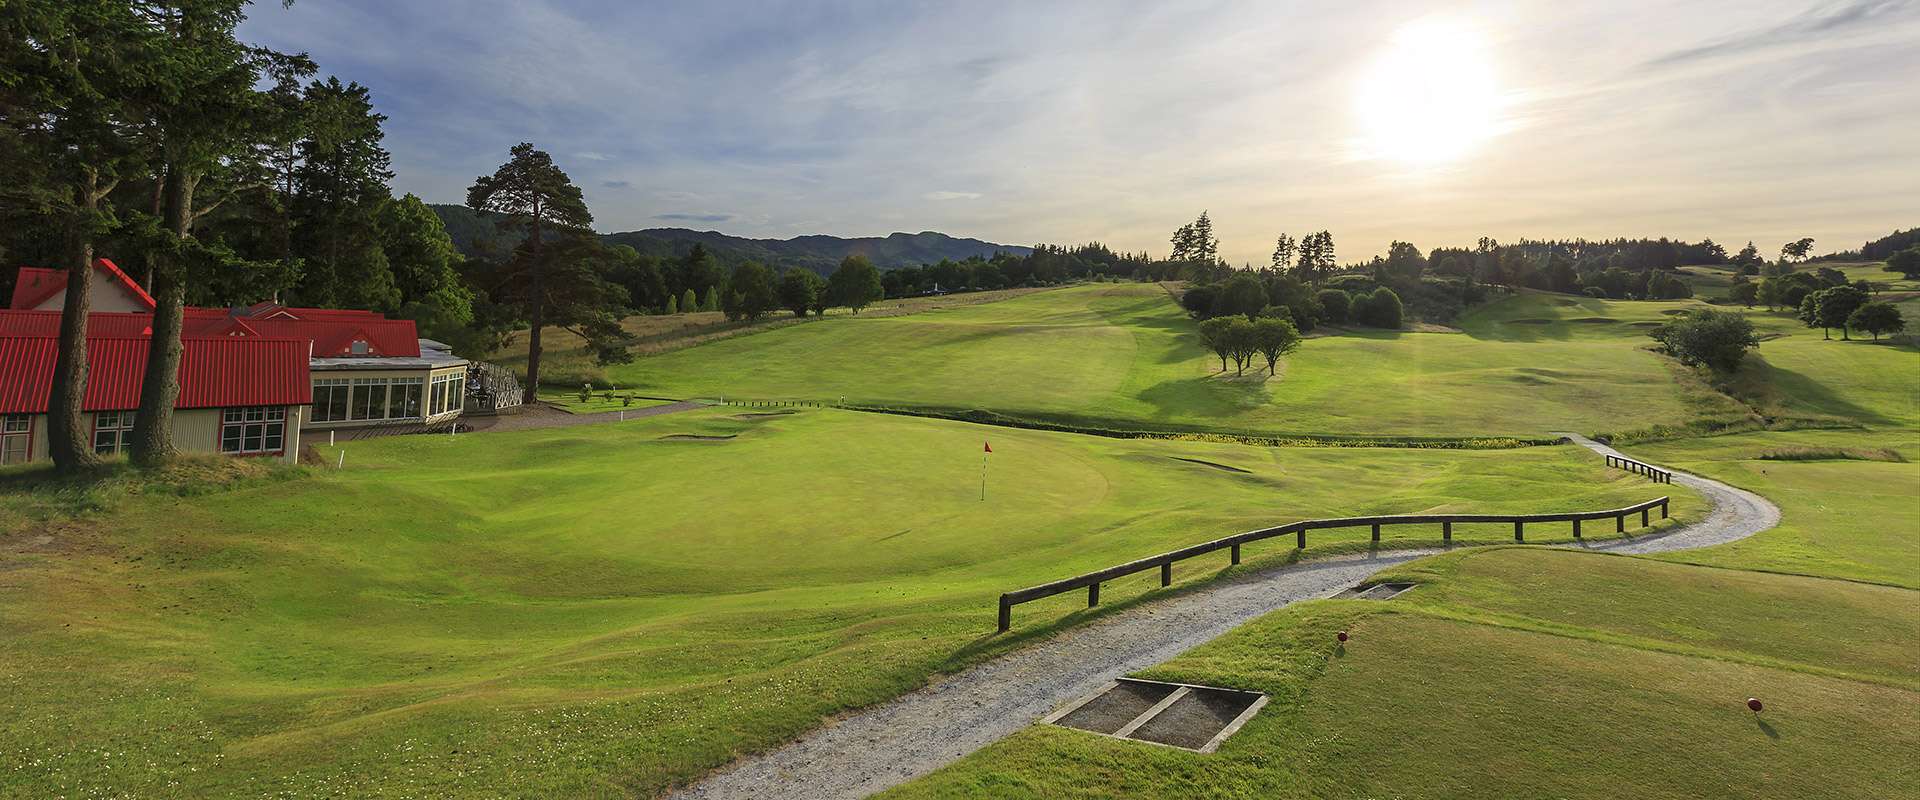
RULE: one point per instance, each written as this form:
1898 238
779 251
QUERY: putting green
607 609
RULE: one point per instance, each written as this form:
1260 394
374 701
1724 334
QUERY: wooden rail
1656 474
1165 561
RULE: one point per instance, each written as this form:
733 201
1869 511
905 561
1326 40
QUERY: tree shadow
1208 396
1798 391
1766 728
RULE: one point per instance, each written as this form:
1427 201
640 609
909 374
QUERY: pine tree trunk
536 313
153 425
67 431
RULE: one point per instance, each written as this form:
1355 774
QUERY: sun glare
1431 97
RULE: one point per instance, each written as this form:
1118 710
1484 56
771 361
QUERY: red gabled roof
214 373
333 338
108 324
36 285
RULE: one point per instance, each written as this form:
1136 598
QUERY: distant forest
1879 249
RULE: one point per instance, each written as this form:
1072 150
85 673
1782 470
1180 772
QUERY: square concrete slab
1179 715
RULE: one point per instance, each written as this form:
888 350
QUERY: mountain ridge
475 235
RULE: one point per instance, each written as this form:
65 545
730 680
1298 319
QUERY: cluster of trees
1242 339
753 291
1849 307
217 171
1880 249
1270 293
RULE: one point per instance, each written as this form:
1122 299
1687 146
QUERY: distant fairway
603 609
1124 355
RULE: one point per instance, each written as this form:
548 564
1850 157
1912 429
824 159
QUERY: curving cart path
917 733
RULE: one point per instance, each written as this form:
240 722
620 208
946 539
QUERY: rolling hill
475 235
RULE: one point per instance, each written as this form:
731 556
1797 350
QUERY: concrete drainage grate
1378 591
1179 715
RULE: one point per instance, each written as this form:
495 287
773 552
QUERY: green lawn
602 399
608 609
1124 355
1514 673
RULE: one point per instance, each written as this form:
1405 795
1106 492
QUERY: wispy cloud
946 195
693 217
616 184
1815 27
592 156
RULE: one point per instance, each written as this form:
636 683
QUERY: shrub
1336 304
1706 337
1198 300
1596 292
1381 309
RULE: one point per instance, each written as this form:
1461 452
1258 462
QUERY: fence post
1519 529
1236 554
1166 574
1643 518
1576 527
1446 531
1093 595
1620 524
1663 509
1376 531
1300 539
1006 614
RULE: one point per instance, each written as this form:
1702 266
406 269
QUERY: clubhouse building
252 378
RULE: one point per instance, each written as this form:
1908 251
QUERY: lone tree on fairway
1877 318
1715 339
1215 335
530 191
856 284
1274 337
1829 308
800 289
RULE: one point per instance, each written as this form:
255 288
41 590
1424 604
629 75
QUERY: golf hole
1185 716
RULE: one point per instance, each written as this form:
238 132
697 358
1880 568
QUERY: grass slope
604 610
1513 673
1124 355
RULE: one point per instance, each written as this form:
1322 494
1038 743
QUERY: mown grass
605 610
1515 673
602 399
1125 356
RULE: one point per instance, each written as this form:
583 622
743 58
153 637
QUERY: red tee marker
988 445
1754 703
1342 636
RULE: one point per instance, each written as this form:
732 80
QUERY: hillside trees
1715 339
1831 308
1283 250
1243 295
855 285
800 290
1380 308
1906 262
643 279
1335 304
531 192
1744 293
1877 318
1215 335
340 185
750 292
1315 260
1796 250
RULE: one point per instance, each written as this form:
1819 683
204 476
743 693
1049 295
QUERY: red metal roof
35 284
108 324
332 336
214 373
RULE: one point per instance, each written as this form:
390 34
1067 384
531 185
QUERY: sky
1067 122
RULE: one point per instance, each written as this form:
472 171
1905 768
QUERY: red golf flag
988 445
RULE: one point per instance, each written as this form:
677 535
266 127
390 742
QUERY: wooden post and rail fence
1165 561
1653 473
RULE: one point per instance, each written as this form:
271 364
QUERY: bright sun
1431 97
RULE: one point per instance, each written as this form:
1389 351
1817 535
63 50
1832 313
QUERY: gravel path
917 733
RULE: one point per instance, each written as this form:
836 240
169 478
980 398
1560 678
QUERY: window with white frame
445 395
16 438
256 429
369 398
112 430
330 399
403 398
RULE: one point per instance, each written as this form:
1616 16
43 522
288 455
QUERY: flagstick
983 476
